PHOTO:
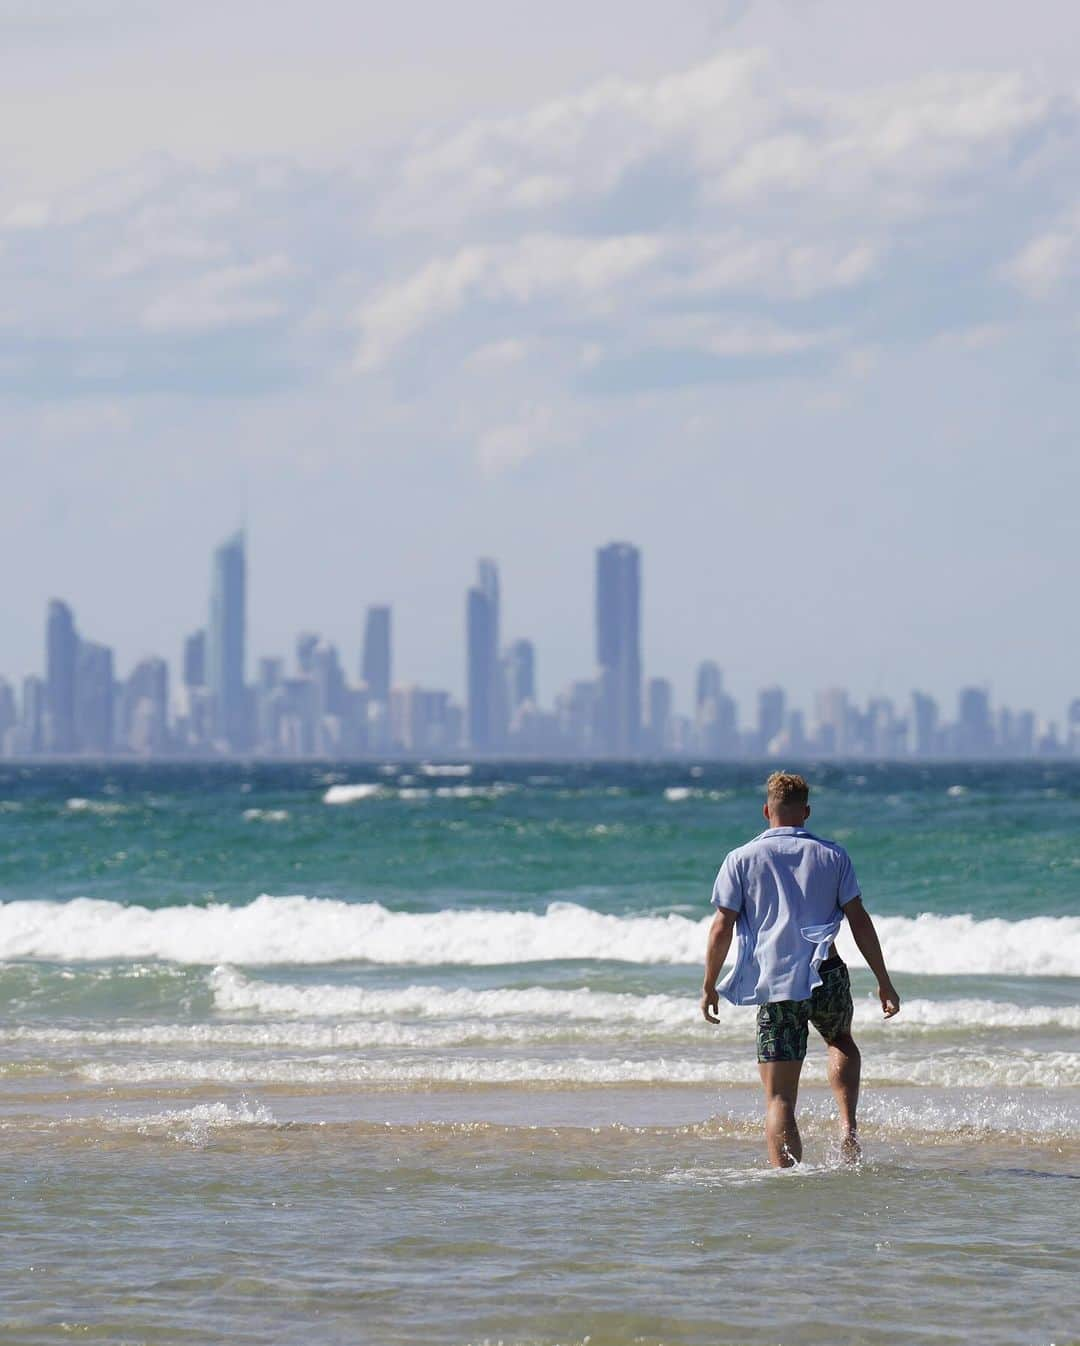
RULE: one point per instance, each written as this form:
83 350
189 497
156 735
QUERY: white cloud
535 267
27 215
1044 264
221 298
507 446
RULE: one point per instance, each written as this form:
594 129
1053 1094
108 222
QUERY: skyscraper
376 668
618 647
924 725
225 642
33 714
61 657
974 728
195 659
710 685
770 715
145 709
482 659
658 705
94 698
520 674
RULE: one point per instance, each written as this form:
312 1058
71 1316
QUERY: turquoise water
412 1054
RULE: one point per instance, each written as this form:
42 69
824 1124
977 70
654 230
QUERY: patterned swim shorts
782 1025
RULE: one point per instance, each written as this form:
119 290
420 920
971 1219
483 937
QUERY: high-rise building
377 667
658 706
421 720
307 642
61 659
195 659
710 685
486 703
481 666
715 714
225 637
32 714
618 647
925 734
1072 727
94 698
833 722
770 715
974 733
145 708
578 712
8 719
520 674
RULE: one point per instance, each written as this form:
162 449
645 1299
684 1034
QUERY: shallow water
427 1065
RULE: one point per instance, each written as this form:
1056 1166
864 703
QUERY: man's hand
710 1001
890 1001
720 933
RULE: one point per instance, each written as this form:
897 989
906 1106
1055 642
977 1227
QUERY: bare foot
850 1149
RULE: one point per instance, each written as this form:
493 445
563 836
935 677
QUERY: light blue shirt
788 888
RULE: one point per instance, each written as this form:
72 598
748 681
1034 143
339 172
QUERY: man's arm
865 936
720 932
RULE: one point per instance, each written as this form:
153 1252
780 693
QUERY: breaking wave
306 930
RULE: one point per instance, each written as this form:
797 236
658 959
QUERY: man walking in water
785 894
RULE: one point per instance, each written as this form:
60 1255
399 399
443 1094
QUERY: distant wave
305 930
354 794
235 993
963 1070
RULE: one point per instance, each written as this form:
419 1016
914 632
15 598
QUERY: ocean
412 1054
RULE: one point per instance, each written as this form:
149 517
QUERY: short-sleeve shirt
789 889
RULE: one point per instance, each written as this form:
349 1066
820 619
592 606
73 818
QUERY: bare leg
845 1069
781 1082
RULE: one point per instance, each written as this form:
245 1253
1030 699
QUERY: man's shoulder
774 840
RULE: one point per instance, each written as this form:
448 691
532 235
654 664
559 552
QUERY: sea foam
305 930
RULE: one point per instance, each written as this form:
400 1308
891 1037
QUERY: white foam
266 815
675 794
235 993
195 1125
303 930
104 808
446 769
351 794
1056 1070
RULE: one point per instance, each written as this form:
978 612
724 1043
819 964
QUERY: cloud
226 297
1046 262
505 447
719 216
535 268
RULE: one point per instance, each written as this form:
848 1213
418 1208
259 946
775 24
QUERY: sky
783 291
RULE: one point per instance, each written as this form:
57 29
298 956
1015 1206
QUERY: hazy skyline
789 305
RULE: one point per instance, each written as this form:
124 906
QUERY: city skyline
79 707
510 317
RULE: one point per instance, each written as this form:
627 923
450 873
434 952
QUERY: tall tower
377 665
225 641
482 659
520 673
61 659
94 698
618 647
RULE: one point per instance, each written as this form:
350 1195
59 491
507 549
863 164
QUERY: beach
412 1053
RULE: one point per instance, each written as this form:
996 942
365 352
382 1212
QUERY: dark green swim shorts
782 1025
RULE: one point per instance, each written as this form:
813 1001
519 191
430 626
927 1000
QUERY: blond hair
784 790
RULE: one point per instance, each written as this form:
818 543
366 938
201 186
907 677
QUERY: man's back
788 888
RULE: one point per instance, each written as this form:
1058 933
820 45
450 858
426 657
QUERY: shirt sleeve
847 888
727 890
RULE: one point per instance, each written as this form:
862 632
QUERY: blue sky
782 293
